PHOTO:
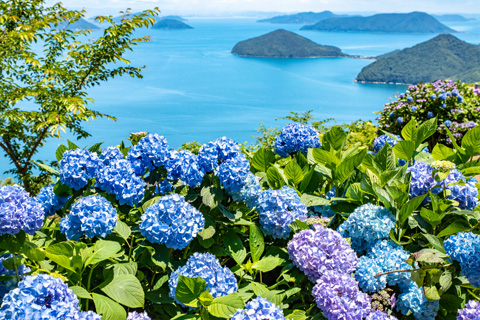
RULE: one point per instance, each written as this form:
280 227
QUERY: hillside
171 24
443 57
284 44
119 18
80 24
301 18
414 22
451 17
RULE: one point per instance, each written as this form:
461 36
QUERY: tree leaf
257 243
127 290
109 309
46 168
224 307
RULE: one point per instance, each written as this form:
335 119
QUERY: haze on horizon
235 7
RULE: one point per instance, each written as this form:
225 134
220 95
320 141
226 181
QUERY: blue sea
194 89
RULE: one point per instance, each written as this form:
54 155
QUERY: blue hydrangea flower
367 225
459 99
138 316
413 108
324 211
409 99
118 178
316 251
465 192
338 296
296 137
470 312
40 297
443 97
19 211
444 105
391 114
10 284
87 315
233 173
400 120
216 152
422 179
185 166
278 209
414 300
367 268
77 167
380 141
149 153
464 247
380 315
430 114
90 216
448 123
250 191
259 309
110 154
433 96
163 187
220 280
171 221
50 202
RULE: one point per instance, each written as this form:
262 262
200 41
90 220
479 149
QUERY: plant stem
88 284
131 248
404 270
16 267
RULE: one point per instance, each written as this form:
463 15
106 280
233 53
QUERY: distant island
157 18
414 22
451 17
284 44
302 17
171 24
80 24
443 57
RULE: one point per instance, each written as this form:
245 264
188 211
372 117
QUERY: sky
232 7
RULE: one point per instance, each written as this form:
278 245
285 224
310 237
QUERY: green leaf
409 132
293 172
257 243
471 141
431 217
80 292
441 152
96 148
334 139
404 149
61 190
429 256
431 293
267 264
274 178
347 166
122 229
434 241
102 250
207 232
234 246
188 290
211 196
262 159
125 268
150 202
325 157
59 153
455 227
46 168
127 290
425 130
471 171
446 280
407 209
109 309
311 200
296 314
72 145
224 307
384 160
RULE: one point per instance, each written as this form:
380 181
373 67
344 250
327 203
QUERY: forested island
443 57
413 22
80 24
302 17
171 24
284 44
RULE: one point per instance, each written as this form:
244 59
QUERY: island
80 24
118 19
284 44
452 18
443 57
302 17
171 24
413 22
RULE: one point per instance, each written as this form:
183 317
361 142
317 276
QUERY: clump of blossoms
470 312
50 202
185 166
220 280
212 154
77 167
171 221
150 152
414 300
233 173
19 211
316 251
10 284
422 180
367 225
464 247
443 165
278 209
379 315
42 297
110 154
259 309
339 297
138 316
380 141
385 256
250 191
384 300
296 137
118 178
90 216
455 104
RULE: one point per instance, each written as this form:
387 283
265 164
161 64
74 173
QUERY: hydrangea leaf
102 250
123 229
226 306
59 152
80 292
127 290
262 159
471 141
234 246
455 227
294 172
267 264
109 309
257 243
188 290
442 152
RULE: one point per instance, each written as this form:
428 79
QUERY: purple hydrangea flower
50 202
296 137
259 309
172 221
19 211
339 297
278 209
185 166
216 152
138 316
77 167
316 251
151 152
90 216
470 312
366 225
220 280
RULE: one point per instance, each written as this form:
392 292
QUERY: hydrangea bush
315 228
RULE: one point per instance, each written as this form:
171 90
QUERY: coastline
313 57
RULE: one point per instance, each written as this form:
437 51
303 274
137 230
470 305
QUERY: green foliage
56 79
